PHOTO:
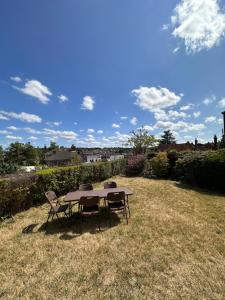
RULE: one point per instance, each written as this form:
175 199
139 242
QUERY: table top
102 193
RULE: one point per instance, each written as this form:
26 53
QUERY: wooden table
101 193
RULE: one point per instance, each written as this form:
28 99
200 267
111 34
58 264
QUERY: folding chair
56 207
89 206
117 203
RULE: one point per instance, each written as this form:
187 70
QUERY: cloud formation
88 103
199 23
36 89
25 117
154 99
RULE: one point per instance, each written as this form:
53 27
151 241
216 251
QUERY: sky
88 72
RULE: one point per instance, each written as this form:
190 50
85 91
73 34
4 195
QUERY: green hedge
21 193
202 169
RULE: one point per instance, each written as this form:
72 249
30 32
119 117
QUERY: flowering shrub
135 165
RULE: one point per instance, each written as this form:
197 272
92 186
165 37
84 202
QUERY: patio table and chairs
88 200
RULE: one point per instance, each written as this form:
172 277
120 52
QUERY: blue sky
88 72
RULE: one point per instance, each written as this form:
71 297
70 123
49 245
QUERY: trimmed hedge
23 192
202 169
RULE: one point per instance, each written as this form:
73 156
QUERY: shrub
135 165
159 165
202 169
22 192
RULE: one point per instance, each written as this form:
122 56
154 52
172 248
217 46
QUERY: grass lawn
173 248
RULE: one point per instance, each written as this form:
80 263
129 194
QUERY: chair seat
90 210
116 205
60 208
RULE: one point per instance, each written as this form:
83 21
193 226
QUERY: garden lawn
173 248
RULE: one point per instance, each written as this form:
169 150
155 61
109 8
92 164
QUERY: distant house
60 157
93 158
116 156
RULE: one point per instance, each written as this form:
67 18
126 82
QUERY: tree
1 154
53 146
30 154
15 153
140 140
167 138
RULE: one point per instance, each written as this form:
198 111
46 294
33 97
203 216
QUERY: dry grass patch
173 248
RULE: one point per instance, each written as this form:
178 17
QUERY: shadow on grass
72 227
198 189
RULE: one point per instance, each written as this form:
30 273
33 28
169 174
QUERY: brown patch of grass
173 248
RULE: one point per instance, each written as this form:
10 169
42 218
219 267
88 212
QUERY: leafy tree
73 147
15 153
167 138
140 140
22 154
1 154
30 154
53 146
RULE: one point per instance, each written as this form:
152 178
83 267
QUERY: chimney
223 113
215 142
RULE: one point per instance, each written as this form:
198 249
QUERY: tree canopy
140 140
167 138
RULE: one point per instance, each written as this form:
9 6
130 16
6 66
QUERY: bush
7 168
135 165
202 169
22 192
157 166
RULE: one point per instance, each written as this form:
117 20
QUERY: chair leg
99 222
125 211
128 207
46 223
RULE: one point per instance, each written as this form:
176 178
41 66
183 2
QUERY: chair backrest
89 201
51 197
110 185
86 187
116 197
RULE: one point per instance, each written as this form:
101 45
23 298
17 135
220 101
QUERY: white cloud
25 117
222 103
13 137
16 78
180 126
90 130
196 114
134 121
4 132
51 124
148 127
14 128
100 131
123 118
88 103
36 89
170 115
154 99
115 125
32 131
199 23
3 117
68 135
165 26
33 138
176 50
62 98
209 100
187 107
220 121
210 119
